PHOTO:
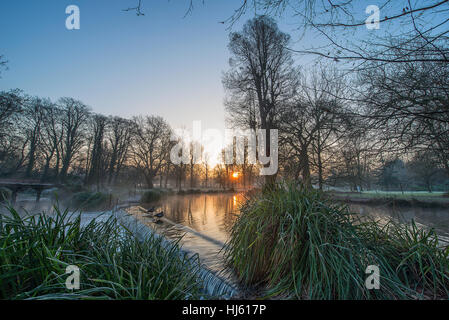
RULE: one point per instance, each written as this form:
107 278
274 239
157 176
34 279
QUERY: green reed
296 243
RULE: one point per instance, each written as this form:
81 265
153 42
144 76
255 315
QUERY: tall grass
299 245
35 251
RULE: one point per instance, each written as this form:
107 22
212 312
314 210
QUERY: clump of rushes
35 251
298 244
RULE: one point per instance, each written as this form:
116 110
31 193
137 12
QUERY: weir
214 284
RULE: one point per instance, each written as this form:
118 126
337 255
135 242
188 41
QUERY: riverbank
393 199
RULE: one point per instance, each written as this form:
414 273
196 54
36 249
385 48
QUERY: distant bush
190 191
5 194
91 200
151 195
446 194
74 188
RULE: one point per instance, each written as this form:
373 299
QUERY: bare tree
312 121
424 167
75 116
340 26
12 141
261 68
10 106
51 139
408 103
96 161
33 119
119 137
151 146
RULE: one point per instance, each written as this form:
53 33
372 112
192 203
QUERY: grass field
407 198
393 194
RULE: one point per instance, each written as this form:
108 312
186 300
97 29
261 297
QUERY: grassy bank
397 199
35 251
295 243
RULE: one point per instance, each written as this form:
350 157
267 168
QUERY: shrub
151 196
113 263
5 194
300 245
87 200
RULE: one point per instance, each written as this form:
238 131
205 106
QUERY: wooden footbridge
17 185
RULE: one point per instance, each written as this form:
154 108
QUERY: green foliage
5 194
87 200
114 264
75 188
300 245
151 196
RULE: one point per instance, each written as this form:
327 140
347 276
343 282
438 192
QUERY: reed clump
113 263
298 244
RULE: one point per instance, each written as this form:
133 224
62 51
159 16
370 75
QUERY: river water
204 221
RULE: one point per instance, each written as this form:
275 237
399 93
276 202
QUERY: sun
235 175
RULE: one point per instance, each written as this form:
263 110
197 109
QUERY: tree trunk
150 183
305 169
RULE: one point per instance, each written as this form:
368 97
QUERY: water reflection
427 217
212 215
209 216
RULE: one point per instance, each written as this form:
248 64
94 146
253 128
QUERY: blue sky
118 63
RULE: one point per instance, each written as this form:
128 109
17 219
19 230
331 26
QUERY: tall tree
119 137
409 105
75 115
33 119
312 121
51 139
340 28
261 66
97 152
12 140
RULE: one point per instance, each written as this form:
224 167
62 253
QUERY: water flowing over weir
216 283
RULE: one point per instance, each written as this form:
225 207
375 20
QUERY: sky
119 63
163 63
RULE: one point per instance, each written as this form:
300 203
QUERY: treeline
380 124
339 126
66 142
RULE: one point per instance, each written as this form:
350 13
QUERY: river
204 221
